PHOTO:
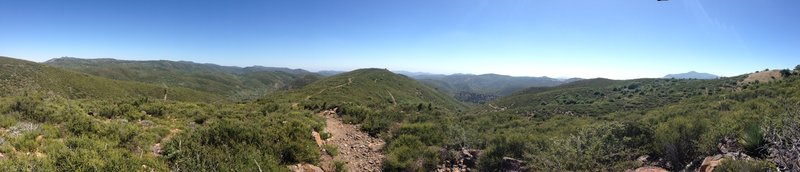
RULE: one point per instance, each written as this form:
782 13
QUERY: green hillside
51 118
19 77
375 97
414 119
234 82
373 87
46 133
605 125
602 96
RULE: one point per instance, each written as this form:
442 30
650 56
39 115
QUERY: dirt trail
349 81
157 148
356 149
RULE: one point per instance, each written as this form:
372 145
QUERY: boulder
317 138
455 160
470 157
648 169
304 168
729 145
513 165
711 162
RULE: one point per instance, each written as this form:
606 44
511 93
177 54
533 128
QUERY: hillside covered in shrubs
52 119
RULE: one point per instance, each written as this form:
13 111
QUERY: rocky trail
355 149
358 150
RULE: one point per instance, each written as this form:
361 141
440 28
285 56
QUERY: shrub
405 154
730 165
428 133
512 145
603 147
782 132
332 150
753 140
155 109
339 166
80 125
325 135
786 72
34 108
7 120
676 139
380 122
231 144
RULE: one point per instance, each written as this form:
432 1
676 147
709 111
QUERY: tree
797 68
786 72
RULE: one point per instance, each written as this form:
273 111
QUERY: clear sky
617 39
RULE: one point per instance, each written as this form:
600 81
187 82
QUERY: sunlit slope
234 82
18 77
372 87
593 97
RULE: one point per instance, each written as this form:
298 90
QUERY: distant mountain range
20 77
692 75
241 83
236 83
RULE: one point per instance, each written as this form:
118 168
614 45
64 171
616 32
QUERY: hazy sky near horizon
617 39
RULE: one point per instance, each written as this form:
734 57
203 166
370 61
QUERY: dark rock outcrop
464 160
513 165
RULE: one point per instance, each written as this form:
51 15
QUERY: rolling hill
376 98
411 117
236 83
20 77
585 125
609 125
600 96
372 87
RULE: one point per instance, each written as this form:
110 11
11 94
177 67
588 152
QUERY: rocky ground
356 149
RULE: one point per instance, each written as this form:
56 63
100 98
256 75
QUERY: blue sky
617 39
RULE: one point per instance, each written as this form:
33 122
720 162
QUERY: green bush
405 151
339 166
429 133
231 144
7 120
81 124
325 135
730 165
676 140
753 141
380 122
332 150
34 108
511 145
596 147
